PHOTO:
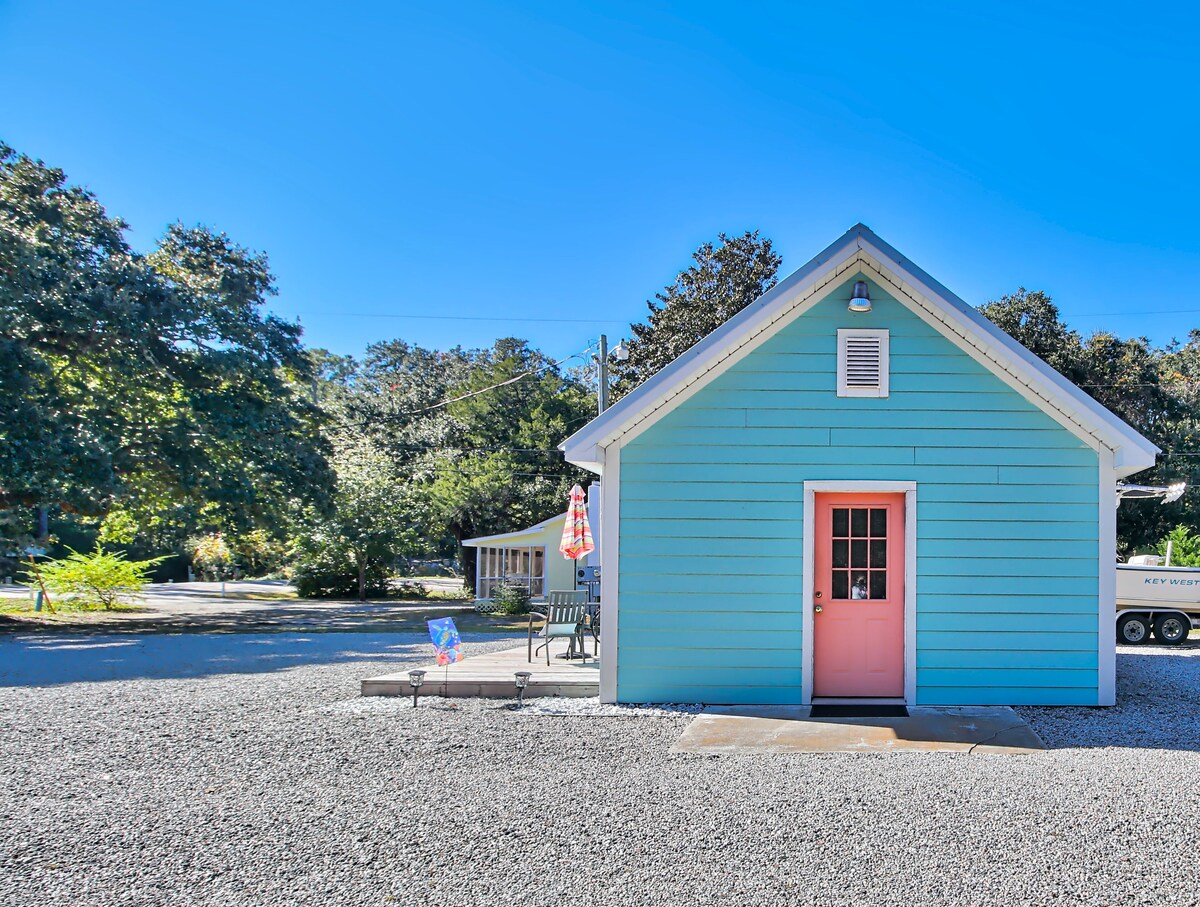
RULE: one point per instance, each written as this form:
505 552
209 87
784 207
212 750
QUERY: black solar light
522 682
415 679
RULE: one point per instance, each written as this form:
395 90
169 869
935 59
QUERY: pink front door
858 595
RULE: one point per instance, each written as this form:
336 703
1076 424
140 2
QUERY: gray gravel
282 788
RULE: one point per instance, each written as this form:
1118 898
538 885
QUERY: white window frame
488 578
845 334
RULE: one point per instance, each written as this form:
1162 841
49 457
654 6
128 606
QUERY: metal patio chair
564 616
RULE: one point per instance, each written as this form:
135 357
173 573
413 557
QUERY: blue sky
561 160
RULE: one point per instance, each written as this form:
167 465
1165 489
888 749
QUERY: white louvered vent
862 363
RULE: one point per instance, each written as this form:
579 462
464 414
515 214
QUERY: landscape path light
415 679
522 681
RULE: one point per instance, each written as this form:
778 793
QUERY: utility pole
603 359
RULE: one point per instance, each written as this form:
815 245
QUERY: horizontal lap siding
712 523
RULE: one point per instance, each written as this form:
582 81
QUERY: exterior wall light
522 681
860 301
415 679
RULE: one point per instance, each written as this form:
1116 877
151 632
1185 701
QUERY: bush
101 579
1185 548
510 598
211 555
324 573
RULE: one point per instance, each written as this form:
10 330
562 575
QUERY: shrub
1185 547
258 553
101 579
323 572
211 555
510 598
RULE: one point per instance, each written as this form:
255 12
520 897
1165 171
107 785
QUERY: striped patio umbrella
577 534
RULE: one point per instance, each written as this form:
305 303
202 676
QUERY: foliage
368 526
259 553
483 464
510 598
155 382
325 571
727 276
1185 547
212 555
101 579
1155 391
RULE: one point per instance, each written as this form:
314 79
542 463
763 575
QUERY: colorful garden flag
446 640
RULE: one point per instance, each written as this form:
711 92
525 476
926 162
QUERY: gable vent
862 363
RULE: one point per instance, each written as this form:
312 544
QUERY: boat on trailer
1152 596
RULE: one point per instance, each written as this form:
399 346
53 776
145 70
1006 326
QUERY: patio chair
563 618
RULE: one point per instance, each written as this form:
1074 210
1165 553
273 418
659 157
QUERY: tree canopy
726 277
153 382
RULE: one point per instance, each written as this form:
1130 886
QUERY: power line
469 317
484 390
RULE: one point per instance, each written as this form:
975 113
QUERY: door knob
817 609
817 594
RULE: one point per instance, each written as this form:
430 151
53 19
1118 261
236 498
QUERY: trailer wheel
1133 629
1171 629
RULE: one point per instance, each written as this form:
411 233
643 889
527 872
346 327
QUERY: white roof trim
536 527
859 249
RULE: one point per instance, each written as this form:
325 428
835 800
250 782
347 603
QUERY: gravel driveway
281 787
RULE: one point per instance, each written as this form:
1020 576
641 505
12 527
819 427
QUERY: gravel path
281 787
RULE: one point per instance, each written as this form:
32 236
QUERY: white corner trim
1106 565
909 490
610 574
844 336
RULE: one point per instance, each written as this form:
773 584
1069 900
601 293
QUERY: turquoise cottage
858 488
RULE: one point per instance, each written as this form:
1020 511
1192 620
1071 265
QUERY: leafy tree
368 526
1154 391
727 276
153 381
101 579
473 433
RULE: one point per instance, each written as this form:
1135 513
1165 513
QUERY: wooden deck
492 677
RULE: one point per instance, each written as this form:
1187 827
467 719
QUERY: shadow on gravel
45 660
1158 706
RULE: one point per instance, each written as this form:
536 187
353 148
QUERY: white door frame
909 490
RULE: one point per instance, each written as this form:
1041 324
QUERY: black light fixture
522 681
415 679
860 299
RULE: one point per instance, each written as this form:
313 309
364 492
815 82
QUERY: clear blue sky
562 159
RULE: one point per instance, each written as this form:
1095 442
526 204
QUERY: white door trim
909 490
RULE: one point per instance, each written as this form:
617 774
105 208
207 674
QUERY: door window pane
841 584
878 584
858 522
878 553
858 553
878 522
841 522
841 553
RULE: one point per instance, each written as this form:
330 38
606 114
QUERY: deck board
491 676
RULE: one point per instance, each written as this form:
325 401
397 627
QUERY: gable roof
859 250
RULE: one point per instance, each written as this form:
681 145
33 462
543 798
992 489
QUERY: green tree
367 528
156 382
727 276
1152 390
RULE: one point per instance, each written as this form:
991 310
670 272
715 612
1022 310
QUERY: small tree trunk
362 579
